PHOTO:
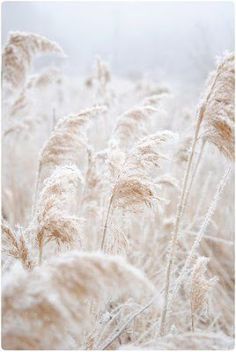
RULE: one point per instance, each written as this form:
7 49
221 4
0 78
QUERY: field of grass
117 208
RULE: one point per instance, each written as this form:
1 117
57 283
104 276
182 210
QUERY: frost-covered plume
55 214
48 308
14 244
133 188
215 114
35 103
131 126
18 54
66 141
219 112
200 287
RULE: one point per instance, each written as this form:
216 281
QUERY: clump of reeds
116 187
212 109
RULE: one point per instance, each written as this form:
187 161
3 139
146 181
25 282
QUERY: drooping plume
18 54
67 139
131 125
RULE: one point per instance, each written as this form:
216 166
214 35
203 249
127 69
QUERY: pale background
175 41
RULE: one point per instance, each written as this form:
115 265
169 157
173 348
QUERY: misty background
173 41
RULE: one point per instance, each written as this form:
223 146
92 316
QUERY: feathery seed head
200 285
55 219
18 54
219 115
52 300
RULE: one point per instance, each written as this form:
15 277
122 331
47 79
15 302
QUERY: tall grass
104 166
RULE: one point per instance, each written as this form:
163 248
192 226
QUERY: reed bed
117 208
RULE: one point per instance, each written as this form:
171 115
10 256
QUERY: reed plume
219 112
48 307
66 140
18 54
102 75
92 176
154 100
133 187
55 216
14 245
200 287
38 86
131 126
200 234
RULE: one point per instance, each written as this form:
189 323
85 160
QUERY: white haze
171 41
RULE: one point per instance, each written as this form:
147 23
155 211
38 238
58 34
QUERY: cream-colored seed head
219 113
19 52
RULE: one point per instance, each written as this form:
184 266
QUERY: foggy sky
167 39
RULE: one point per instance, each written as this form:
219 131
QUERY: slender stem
85 188
133 316
36 189
201 233
181 207
40 239
53 118
201 201
40 252
192 315
194 173
192 318
180 210
106 222
40 166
